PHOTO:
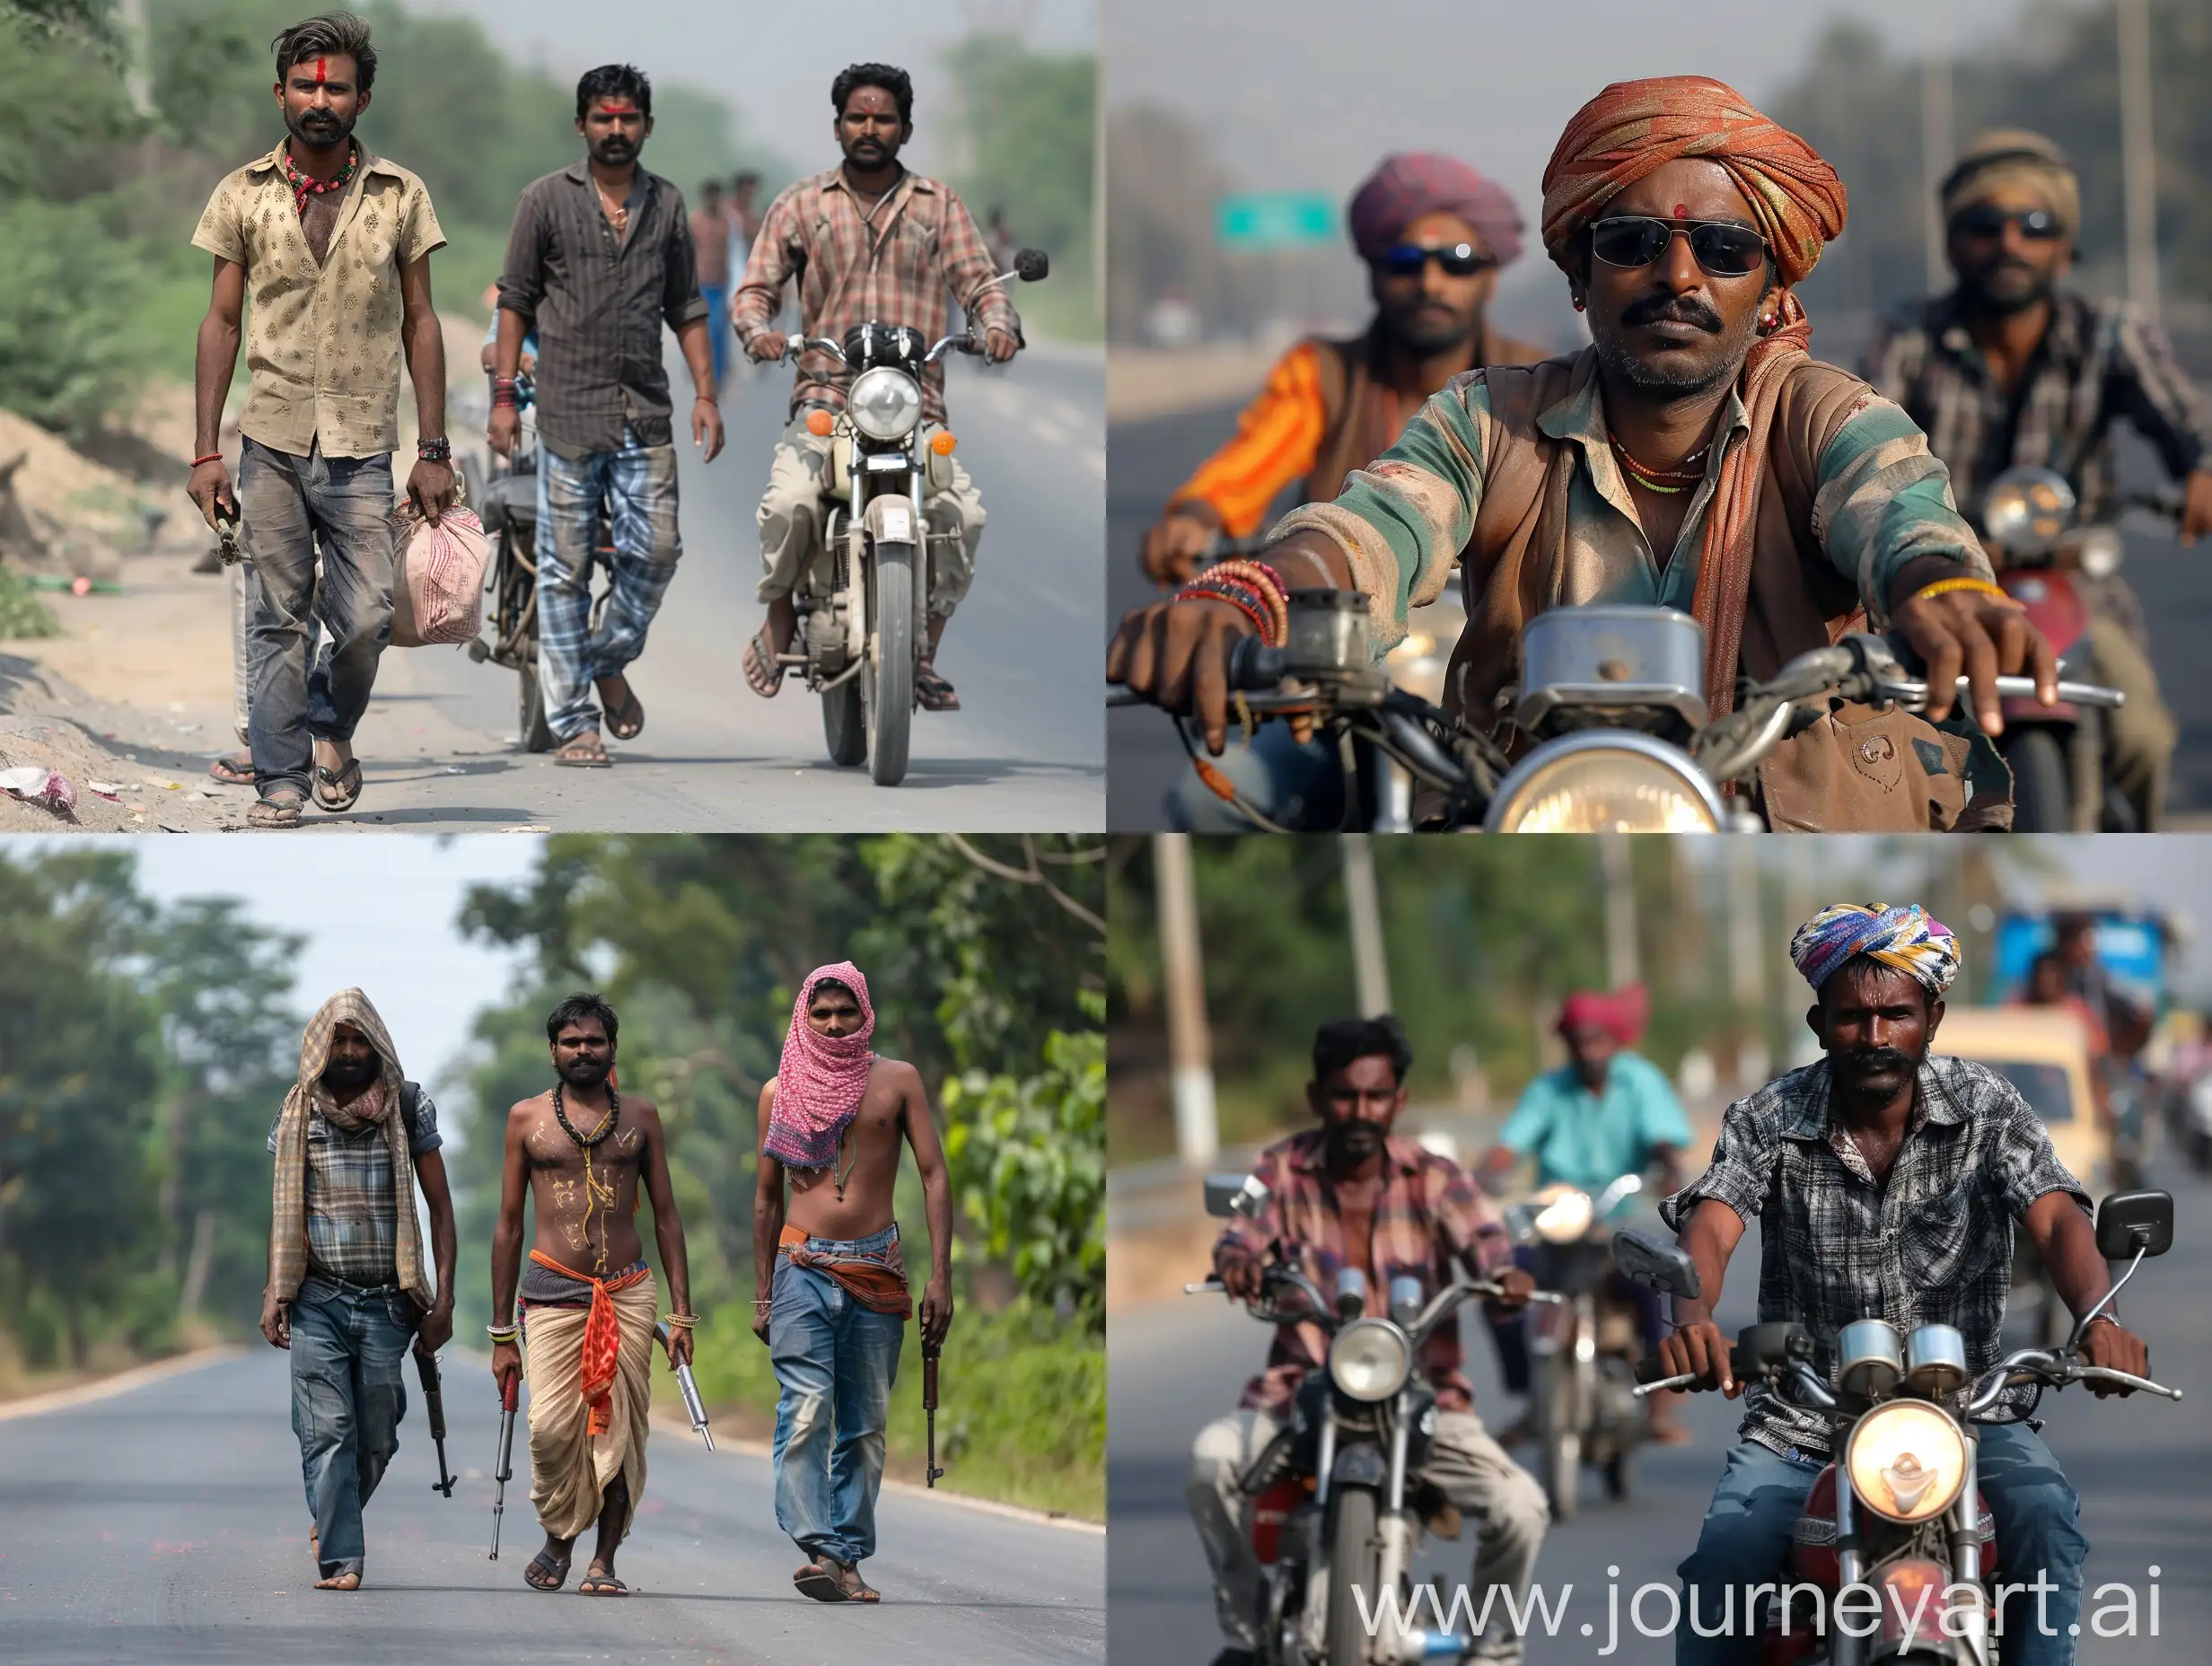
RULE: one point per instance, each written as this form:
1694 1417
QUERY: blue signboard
2131 947
1262 220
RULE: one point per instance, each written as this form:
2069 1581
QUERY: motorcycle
1900 1514
2048 563
508 507
1612 696
861 640
2195 1125
1337 1511
1581 1351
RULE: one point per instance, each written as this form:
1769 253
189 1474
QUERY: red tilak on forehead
320 76
1681 211
616 107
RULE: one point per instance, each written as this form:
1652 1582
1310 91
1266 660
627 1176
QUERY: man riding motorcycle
1351 1193
2011 369
1434 235
1607 1112
867 241
1887 1181
1693 457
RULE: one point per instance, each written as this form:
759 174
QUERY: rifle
929 1406
434 1397
507 1392
691 1402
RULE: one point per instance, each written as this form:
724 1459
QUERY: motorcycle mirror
1032 264
2132 1221
1662 1266
1234 1195
1406 1294
2027 511
1351 1291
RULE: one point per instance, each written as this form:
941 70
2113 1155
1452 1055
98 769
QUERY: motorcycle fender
841 463
1913 1604
891 520
1359 1465
2055 608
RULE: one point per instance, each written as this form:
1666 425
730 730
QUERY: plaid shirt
894 267
1933 1247
2098 360
1428 1213
353 1220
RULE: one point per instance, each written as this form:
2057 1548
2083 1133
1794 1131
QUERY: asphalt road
1026 753
2144 1468
1151 458
167 1526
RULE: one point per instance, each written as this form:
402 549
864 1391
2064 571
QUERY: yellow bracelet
1982 586
683 1321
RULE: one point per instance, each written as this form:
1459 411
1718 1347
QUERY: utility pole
1190 1044
1366 910
2139 155
1938 144
1623 965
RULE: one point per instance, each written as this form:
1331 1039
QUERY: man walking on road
581 1151
600 257
710 238
866 241
333 243
346 1286
832 1286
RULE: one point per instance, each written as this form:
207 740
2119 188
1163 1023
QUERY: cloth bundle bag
437 588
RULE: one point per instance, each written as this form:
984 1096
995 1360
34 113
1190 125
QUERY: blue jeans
835 1362
286 503
1746 1540
638 485
717 297
347 1402
1294 786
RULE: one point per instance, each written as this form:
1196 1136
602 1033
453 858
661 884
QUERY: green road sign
1261 220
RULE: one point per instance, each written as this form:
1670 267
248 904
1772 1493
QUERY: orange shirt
1277 439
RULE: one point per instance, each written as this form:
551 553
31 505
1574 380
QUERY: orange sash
603 1338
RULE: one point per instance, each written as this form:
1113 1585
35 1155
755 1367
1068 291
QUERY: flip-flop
627 720
331 791
932 693
279 807
763 675
577 752
855 1588
601 1585
819 1582
544 1565
233 768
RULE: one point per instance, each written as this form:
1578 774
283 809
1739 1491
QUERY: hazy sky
1309 94
377 910
774 62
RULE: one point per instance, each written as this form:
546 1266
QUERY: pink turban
1413 183
1620 1014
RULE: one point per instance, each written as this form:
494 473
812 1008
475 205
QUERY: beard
319 129
1354 1141
2006 286
613 152
1431 329
869 152
350 1073
1679 373
586 1072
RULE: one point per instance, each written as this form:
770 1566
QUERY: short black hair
888 77
1340 1041
1864 966
712 188
832 983
2050 957
578 1007
614 80
328 34
742 181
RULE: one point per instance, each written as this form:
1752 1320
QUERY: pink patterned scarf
819 1081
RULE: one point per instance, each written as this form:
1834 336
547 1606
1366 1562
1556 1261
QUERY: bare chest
319 224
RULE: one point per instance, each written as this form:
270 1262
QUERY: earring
1577 303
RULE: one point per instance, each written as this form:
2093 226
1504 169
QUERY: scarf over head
820 1080
1629 131
377 1105
1905 936
2014 158
1413 183
1620 1014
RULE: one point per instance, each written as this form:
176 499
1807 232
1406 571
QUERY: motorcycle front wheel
2042 801
1558 1432
886 679
1355 1569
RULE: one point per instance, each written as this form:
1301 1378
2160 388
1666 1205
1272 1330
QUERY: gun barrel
507 1396
434 1399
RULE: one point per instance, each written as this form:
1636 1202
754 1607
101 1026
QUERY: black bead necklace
606 1127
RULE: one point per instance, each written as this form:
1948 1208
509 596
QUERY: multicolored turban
1620 1014
2012 157
1634 128
1413 183
1906 937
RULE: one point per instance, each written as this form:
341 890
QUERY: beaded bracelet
1268 584
1245 602
502 1333
683 1321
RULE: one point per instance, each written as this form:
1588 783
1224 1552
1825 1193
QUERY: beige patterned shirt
322 342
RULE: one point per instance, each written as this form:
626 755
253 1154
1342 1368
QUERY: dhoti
569 1465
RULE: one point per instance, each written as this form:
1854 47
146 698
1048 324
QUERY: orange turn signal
942 442
818 423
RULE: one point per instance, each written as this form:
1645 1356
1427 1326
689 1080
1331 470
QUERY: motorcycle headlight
1605 782
885 403
1566 1218
1370 1360
1907 1461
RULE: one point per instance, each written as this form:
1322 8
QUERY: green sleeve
1419 498
1884 501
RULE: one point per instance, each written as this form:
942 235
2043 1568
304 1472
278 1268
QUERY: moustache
1879 1061
585 1071
1672 310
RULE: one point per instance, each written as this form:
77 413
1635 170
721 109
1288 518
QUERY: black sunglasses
1988 221
1409 260
1722 249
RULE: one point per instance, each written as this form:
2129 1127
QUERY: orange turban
1634 128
